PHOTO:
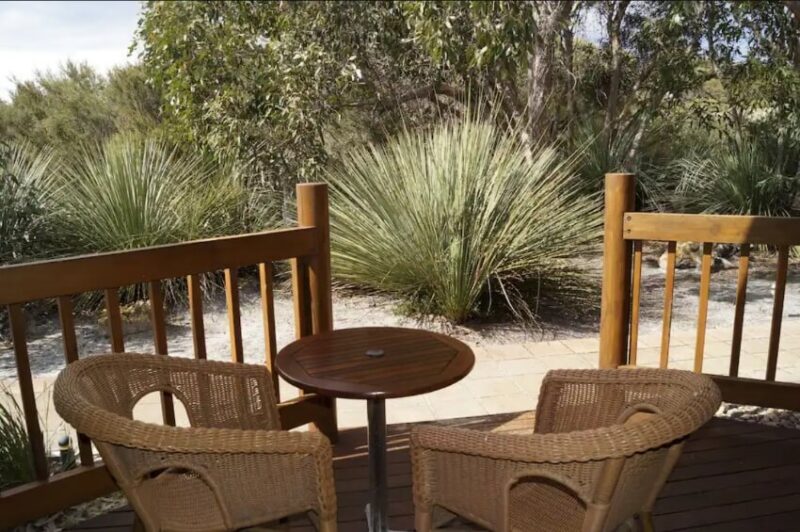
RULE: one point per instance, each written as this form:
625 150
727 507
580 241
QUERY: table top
404 362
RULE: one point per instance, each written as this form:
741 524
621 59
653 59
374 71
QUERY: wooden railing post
312 211
620 194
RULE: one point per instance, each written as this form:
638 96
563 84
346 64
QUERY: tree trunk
613 25
710 24
541 59
794 9
568 39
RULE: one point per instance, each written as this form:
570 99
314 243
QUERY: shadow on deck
733 476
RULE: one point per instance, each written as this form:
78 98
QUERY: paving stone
582 345
548 348
453 408
506 352
518 366
492 386
500 404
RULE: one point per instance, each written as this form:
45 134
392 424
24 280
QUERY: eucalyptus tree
282 87
265 82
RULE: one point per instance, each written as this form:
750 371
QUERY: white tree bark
550 19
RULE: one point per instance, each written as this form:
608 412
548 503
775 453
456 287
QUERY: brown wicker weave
602 448
232 468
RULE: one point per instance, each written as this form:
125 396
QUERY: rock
689 255
726 256
135 317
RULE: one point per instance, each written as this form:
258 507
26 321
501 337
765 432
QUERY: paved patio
506 378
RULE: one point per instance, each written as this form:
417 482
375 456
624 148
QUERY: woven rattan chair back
232 468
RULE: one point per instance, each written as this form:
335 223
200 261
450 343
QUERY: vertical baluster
301 298
268 315
115 330
67 322
777 312
199 342
738 318
234 314
196 313
636 303
669 290
16 319
159 325
702 312
65 315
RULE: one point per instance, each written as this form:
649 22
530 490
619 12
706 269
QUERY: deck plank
732 476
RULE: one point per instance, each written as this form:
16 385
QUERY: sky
40 36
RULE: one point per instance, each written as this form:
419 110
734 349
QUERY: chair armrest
114 429
458 468
582 446
240 469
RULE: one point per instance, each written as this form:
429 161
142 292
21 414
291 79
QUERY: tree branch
794 8
425 92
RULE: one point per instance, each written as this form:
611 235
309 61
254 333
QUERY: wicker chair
603 445
232 468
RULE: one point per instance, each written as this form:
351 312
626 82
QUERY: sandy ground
46 354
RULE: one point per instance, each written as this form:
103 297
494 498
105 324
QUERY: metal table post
377 509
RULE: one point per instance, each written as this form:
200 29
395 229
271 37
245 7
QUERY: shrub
134 192
742 178
16 456
59 109
446 216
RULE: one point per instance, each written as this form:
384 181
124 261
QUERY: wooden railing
306 246
626 230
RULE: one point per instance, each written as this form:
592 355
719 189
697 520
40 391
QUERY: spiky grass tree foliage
744 178
135 192
446 216
16 456
23 231
633 149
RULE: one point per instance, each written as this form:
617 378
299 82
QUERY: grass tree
134 192
23 228
742 178
446 216
16 456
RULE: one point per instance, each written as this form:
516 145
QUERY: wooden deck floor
733 476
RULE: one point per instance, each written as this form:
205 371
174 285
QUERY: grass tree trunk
550 19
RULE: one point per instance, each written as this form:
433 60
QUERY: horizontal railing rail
74 275
717 228
306 246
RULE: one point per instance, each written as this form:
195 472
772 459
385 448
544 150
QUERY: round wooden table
375 363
